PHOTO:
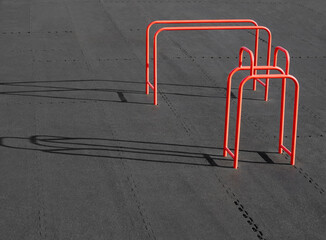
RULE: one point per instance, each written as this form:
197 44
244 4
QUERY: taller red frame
154 85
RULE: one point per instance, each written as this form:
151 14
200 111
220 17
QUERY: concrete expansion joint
308 178
19 33
176 114
134 192
260 38
37 50
304 136
308 57
115 59
42 222
55 60
240 206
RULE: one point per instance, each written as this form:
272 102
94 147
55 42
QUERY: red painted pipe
207 28
287 69
239 110
196 22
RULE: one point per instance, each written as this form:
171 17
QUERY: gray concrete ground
85 155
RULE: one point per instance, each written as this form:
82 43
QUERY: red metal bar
228 99
275 61
287 69
152 87
287 57
196 22
286 150
242 49
261 82
239 110
230 152
208 28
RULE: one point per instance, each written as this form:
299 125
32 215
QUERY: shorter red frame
283 76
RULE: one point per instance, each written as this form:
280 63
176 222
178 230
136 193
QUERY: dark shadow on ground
133 150
44 87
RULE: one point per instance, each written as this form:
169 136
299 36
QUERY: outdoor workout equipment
154 85
283 75
253 68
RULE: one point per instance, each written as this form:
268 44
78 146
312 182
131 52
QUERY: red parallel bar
261 82
287 69
208 28
196 22
239 110
286 150
228 99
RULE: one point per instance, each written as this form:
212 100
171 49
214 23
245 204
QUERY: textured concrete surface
85 155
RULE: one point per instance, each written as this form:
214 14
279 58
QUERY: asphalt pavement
84 153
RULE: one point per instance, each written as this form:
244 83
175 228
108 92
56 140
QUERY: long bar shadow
126 150
116 81
109 80
59 89
106 90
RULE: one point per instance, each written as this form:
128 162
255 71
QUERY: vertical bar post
283 98
268 63
281 135
227 113
147 59
295 122
238 125
155 66
256 58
